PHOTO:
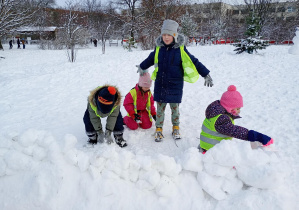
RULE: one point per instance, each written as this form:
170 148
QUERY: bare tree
261 8
129 13
150 24
91 5
101 21
188 27
73 32
211 19
103 27
152 13
16 13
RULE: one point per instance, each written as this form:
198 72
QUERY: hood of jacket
91 98
181 41
215 109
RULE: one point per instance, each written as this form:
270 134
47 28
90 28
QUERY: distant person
10 44
19 43
104 102
139 103
173 64
219 123
23 43
95 42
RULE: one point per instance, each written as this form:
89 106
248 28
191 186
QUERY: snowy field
45 165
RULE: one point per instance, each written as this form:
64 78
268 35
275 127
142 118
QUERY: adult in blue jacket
169 74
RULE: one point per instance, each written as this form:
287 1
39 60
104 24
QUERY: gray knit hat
170 27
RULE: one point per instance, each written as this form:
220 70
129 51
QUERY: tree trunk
1 47
73 54
103 45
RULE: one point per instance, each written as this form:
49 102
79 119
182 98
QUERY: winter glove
208 81
136 117
269 143
141 71
108 137
256 136
155 117
100 136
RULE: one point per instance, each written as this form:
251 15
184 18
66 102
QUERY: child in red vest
139 104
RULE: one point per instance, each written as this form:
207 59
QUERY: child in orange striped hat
104 102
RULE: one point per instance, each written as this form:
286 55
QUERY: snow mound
45 170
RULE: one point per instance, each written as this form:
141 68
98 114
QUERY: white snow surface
45 165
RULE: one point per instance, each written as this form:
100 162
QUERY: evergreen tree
253 42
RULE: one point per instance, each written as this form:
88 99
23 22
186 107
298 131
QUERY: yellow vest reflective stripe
94 108
133 93
154 74
209 137
190 72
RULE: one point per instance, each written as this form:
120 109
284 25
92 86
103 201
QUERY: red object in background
287 42
223 41
272 42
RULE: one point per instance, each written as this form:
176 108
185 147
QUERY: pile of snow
295 48
60 176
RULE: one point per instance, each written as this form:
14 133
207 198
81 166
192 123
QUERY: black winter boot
120 140
92 137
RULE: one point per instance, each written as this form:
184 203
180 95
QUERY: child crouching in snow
104 102
219 123
139 103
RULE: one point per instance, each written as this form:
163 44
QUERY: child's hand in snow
269 143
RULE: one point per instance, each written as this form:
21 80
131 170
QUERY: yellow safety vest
209 137
190 72
133 93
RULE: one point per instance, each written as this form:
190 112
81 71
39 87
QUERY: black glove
137 117
155 117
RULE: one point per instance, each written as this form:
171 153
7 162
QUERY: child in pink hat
219 123
139 103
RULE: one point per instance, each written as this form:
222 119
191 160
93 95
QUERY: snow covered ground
44 164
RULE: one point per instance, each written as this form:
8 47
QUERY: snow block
211 185
191 160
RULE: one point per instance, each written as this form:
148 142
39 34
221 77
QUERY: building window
281 9
291 9
290 19
235 12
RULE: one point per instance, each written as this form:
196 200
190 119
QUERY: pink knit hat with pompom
231 99
145 80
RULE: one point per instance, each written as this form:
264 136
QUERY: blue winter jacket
169 82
